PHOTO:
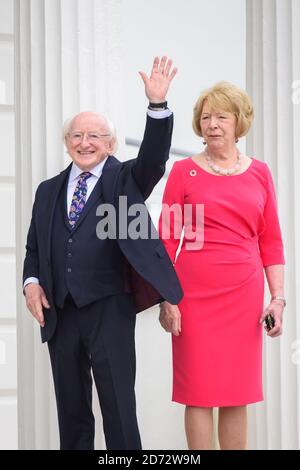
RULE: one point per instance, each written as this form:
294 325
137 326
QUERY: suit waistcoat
83 265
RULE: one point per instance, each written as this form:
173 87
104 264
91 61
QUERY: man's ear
111 145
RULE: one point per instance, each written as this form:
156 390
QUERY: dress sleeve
171 217
270 240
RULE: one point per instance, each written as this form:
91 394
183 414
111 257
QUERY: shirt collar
96 171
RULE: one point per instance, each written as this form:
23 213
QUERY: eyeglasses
90 136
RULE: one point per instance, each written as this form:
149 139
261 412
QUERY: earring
204 143
236 141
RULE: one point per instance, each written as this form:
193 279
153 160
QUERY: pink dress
217 358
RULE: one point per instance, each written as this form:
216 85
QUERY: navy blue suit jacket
150 272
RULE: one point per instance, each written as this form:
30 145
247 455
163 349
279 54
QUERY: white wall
206 40
8 346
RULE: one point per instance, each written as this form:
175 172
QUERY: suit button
70 240
69 270
70 255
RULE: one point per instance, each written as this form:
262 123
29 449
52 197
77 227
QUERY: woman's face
218 128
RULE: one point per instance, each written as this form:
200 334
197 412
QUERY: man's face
89 140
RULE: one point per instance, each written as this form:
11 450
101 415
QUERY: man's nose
85 142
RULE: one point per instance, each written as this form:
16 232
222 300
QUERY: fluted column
273 66
67 59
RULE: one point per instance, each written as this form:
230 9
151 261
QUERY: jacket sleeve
149 166
270 240
171 217
31 262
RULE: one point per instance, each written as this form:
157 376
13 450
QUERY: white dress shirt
92 180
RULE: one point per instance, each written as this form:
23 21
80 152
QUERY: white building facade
58 57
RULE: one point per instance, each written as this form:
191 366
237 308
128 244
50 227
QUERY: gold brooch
193 173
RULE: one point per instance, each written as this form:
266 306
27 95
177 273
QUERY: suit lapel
65 207
61 180
109 178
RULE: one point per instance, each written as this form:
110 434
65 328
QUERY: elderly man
85 290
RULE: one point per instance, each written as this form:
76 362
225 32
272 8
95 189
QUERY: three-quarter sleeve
171 217
270 240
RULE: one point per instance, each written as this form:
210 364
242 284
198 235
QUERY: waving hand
157 85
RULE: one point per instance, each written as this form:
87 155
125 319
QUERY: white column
8 334
67 59
273 64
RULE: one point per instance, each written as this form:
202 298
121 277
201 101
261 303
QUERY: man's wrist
30 280
158 106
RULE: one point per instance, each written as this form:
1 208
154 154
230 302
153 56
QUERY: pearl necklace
223 171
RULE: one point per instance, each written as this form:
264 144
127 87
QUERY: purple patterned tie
78 199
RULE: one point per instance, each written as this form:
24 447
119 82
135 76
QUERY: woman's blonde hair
225 96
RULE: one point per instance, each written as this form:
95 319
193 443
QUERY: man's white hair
112 130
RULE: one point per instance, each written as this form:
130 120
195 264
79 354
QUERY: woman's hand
157 85
275 308
170 318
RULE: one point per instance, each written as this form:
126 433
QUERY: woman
217 327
